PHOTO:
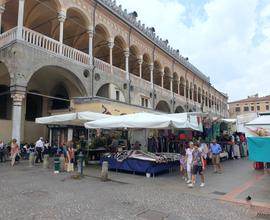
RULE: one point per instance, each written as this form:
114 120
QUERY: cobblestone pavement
35 193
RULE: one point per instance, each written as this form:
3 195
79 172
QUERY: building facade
54 51
251 104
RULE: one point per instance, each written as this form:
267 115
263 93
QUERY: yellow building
249 105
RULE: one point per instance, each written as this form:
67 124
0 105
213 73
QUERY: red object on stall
182 136
258 165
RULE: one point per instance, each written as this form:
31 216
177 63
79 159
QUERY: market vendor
114 145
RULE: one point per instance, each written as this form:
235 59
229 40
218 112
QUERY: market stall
147 121
258 132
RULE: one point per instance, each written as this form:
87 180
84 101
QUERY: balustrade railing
101 65
8 36
54 46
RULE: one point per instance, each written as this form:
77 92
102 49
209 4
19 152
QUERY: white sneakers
189 181
191 185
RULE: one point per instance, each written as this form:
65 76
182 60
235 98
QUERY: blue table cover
142 166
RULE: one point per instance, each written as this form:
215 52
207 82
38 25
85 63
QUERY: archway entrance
163 106
179 109
111 91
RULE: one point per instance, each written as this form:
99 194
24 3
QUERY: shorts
215 159
197 170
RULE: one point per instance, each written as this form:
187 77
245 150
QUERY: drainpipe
92 58
129 80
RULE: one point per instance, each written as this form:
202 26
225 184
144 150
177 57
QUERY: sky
228 40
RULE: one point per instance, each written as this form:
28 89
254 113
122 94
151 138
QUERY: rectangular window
237 109
117 93
252 108
267 107
258 108
142 101
246 108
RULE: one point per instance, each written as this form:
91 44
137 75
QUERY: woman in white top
189 151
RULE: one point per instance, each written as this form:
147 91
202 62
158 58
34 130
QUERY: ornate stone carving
17 98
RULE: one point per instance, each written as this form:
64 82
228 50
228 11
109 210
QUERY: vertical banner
259 148
70 134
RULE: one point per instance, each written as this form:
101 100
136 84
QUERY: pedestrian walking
215 150
14 151
39 147
2 151
183 167
189 151
197 166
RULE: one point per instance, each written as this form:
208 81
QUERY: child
183 167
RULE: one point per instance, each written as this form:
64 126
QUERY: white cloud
220 45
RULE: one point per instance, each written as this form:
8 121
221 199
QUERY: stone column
171 84
162 78
111 45
20 19
17 115
91 36
151 67
140 62
126 54
2 9
61 19
178 86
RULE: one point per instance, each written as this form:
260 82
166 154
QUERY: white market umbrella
147 120
77 119
137 120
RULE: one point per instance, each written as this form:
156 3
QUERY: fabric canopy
229 120
259 126
77 119
146 120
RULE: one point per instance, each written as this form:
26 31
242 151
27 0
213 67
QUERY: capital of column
17 98
140 60
162 73
151 67
91 31
62 16
2 8
126 53
110 43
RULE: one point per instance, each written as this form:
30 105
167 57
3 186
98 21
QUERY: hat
41 138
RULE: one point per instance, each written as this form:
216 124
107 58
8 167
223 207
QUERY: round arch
100 45
163 106
187 89
167 78
5 100
146 74
119 52
179 109
175 83
76 29
157 72
43 17
182 86
111 91
134 59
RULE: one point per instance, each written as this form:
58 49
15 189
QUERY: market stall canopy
259 126
77 119
147 120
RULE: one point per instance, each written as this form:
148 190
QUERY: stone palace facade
58 54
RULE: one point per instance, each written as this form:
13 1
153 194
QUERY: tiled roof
252 99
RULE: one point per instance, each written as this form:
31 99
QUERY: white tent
262 120
146 120
77 119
